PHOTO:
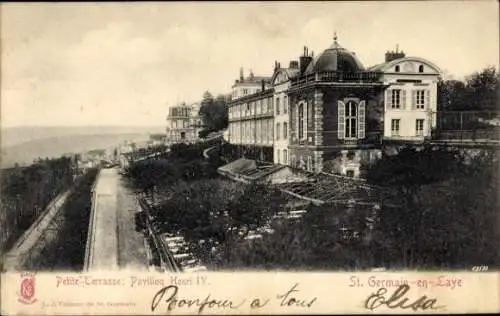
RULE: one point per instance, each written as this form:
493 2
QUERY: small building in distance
156 139
183 123
243 87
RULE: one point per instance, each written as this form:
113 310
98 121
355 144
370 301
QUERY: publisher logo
28 287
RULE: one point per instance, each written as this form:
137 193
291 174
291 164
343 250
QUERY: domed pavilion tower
336 112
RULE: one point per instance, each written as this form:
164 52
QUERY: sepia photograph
185 138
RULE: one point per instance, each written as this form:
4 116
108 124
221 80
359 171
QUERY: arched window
301 121
397 68
350 119
421 68
285 130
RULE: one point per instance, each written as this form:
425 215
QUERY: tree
447 213
479 92
26 191
451 95
483 89
214 114
406 173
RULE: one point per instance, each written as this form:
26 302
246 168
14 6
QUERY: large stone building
183 123
251 115
331 114
251 122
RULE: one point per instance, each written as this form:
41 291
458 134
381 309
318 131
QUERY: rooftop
335 58
317 188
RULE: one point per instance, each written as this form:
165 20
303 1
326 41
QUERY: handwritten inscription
288 299
169 297
172 301
398 299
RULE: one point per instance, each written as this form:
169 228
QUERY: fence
472 125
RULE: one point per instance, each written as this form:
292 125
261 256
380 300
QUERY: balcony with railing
330 138
339 77
247 115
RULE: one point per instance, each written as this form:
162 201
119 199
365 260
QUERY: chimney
392 55
251 74
262 85
294 64
304 61
241 74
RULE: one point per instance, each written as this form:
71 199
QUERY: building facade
410 105
183 123
281 84
331 114
251 122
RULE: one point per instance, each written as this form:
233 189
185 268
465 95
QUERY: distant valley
22 145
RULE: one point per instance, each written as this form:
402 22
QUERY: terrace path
112 242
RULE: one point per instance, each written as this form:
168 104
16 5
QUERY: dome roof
335 58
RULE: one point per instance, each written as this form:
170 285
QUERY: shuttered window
428 98
420 100
396 99
301 121
341 117
414 99
419 127
310 115
361 120
351 116
388 99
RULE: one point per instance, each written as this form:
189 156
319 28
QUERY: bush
448 216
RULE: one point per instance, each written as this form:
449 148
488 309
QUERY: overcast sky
125 63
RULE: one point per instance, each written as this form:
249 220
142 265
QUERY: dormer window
396 68
421 68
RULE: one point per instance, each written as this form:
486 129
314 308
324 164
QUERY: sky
77 64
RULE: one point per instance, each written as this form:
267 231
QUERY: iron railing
331 137
338 76
251 116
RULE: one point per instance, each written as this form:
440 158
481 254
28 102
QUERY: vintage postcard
250 158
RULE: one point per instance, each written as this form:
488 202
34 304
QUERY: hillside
23 145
